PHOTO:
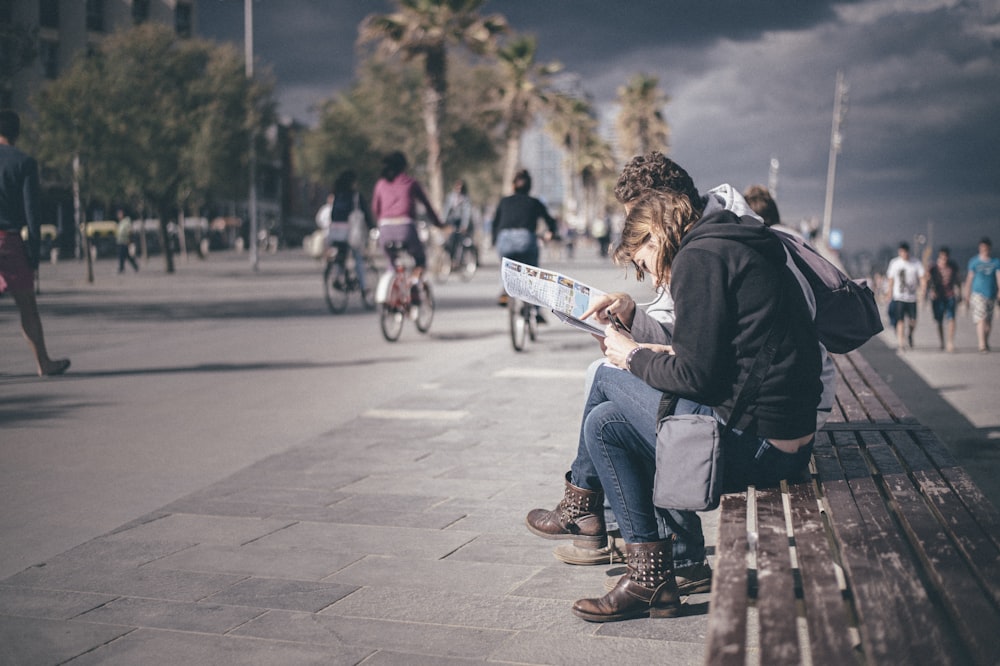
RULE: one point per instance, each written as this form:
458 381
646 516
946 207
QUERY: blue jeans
518 244
617 454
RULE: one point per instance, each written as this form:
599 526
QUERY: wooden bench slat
825 609
896 620
974 616
779 641
727 622
870 404
899 411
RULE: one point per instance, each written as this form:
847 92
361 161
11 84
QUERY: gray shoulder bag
689 446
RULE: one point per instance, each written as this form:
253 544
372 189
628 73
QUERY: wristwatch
628 359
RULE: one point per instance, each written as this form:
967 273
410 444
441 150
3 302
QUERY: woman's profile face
646 259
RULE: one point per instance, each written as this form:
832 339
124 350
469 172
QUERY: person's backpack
846 312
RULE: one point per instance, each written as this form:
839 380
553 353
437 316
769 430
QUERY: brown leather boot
579 516
647 590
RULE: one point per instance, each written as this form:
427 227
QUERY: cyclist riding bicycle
349 224
394 204
515 224
458 218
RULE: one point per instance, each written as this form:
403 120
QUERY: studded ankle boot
579 516
647 590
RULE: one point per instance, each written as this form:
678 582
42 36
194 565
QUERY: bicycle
340 279
523 322
458 254
395 293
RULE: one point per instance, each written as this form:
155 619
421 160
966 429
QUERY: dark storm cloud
747 81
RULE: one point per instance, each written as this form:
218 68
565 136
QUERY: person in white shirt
906 284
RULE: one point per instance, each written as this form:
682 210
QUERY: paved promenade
230 475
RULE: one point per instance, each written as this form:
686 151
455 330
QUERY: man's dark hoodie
730 284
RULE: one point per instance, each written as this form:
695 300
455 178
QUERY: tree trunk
433 111
168 254
512 161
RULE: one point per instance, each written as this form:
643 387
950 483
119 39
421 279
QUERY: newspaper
567 298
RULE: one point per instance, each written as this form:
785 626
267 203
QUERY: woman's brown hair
663 216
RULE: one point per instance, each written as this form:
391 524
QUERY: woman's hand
618 345
617 309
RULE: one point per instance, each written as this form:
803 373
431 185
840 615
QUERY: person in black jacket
515 224
730 285
19 208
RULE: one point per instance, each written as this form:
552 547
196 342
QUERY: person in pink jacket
394 205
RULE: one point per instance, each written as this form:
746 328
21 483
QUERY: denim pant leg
619 434
359 267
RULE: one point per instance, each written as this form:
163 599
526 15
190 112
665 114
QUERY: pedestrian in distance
515 225
944 291
19 261
394 205
982 284
906 280
123 237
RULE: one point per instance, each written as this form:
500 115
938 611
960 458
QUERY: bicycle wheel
530 317
469 262
425 310
335 287
518 324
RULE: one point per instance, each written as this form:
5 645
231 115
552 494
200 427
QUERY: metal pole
835 139
252 195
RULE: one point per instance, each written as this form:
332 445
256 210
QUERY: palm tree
424 29
572 123
640 124
524 92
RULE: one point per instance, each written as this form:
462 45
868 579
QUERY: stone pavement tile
373 515
447 607
255 560
482 577
146 581
387 658
576 650
124 553
563 581
227 530
369 539
410 485
40 641
49 604
499 548
410 637
688 628
285 496
282 594
156 647
199 616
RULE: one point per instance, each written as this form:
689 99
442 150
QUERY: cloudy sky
748 82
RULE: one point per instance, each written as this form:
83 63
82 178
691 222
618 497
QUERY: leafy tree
524 91
422 30
154 120
572 123
640 123
358 126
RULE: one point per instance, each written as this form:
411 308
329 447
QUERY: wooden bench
887 554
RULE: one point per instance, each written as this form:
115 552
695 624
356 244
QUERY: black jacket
730 284
521 211
19 197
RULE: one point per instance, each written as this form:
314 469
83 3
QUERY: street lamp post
839 111
252 195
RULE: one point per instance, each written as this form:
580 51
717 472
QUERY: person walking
123 236
944 290
906 278
981 287
18 262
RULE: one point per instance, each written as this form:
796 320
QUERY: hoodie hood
725 225
727 197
